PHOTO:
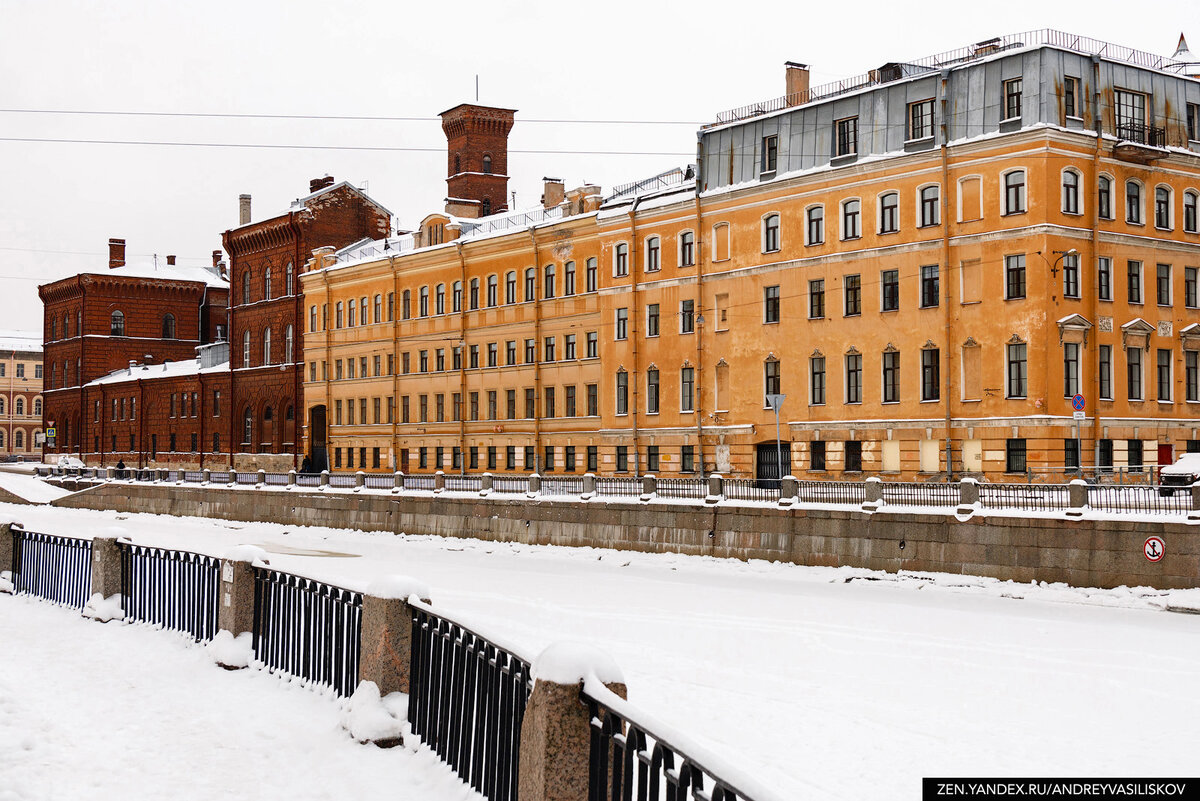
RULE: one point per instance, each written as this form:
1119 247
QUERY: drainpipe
633 331
141 424
537 361
297 347
1095 243
947 369
395 365
462 360
699 312
329 419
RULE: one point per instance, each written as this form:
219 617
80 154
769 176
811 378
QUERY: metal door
767 463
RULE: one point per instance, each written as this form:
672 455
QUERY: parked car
1182 474
70 463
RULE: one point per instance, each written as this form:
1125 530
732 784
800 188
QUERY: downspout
297 347
329 419
537 354
947 368
200 422
141 424
462 359
1095 243
633 331
696 256
395 365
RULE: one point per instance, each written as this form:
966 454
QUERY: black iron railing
1140 498
1028 497
748 489
918 494
1142 134
853 492
466 701
463 483
58 569
630 761
307 629
379 481
177 590
510 483
617 485
562 486
682 488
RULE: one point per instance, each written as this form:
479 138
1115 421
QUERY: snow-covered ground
825 683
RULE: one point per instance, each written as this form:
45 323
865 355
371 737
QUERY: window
931 374
929 286
168 326
117 324
1070 266
889 290
653 254
687 316
266 288
687 459
1014 277
1104 278
889 213
492 353
770 239
816 380
246 290
1014 192
622 458
816 299
1190 296
591 275
853 378
548 286
1136 456
891 376
1191 362
852 285
853 455
920 119
267 346
473 295
1070 192
1105 356
1190 202
593 458
487 164
548 403
1071 454
687 386
1162 208
846 137
593 400
569 278
816 450
1018 376
1131 115
1012 99
593 344
510 404
1134 281
1133 203
1070 369
770 154
851 219
771 304
1164 374
652 391
621 260
1014 456
622 392
246 349
570 404
1193 121
621 331
549 348
814 225
771 378
1162 282
456 296
652 317
1133 373
687 245
652 463
1070 98
1104 204
351 316
530 284
929 205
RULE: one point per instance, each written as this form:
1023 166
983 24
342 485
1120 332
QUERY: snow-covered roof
23 341
177 369
165 272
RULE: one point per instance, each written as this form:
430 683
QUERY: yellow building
930 263
20 395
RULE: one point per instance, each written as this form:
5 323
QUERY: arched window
1014 192
267 345
930 197
406 305
439 299
19 407
423 301
457 164
291 415
1070 192
1104 201
510 287
549 288
267 284
66 326
53 329
289 275
1133 202
1 438
351 313
247 426
456 299
1 404
487 164
246 287
493 290
1162 208
530 284
116 324
485 207
473 299
19 440
889 213
168 326
362 311
287 345
770 233
246 349
312 318
1190 201
378 310
851 219
37 407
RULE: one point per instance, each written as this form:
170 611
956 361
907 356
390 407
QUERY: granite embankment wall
1081 552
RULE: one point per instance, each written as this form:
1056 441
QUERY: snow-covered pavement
824 683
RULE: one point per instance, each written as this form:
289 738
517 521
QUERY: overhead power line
345 117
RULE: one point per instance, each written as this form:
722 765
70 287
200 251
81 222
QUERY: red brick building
477 153
266 312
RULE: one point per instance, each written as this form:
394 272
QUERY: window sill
814 244
891 403
1138 224
1014 213
888 233
929 306
919 140
1072 297
929 225
1072 213
818 318
889 311
770 322
931 400
766 252
1162 402
1017 297
851 238
766 175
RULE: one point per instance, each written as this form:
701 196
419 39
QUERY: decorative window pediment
1074 328
1136 333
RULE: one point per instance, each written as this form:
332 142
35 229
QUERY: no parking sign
1154 548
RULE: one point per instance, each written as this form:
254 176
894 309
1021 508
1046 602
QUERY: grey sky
560 60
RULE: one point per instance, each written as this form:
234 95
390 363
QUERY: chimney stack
116 253
216 258
796 83
171 260
554 192
317 184
243 209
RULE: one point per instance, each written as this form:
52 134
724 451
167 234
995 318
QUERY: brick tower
477 159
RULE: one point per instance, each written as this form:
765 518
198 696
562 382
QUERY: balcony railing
1142 134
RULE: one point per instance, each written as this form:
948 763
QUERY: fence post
485 484
324 481
789 490
360 480
232 477
106 580
439 481
873 493
649 486
206 476
387 622
110 473
7 549
556 734
235 610
589 486
535 485
968 494
1078 491
261 478
292 477
716 488
397 481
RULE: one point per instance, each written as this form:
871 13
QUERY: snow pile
572 662
398 588
30 488
231 652
247 553
6 584
103 609
371 719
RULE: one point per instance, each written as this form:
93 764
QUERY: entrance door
1166 456
318 438
767 463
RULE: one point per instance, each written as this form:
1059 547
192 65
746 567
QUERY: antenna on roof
477 87
514 194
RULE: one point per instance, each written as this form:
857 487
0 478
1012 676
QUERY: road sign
1154 548
1080 416
775 402
50 433
1078 403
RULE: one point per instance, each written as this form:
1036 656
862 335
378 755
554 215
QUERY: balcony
1140 143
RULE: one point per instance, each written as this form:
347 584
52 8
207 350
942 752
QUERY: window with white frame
1014 277
1012 99
1070 369
846 136
770 233
1162 284
1133 373
920 119
1190 202
1133 282
1133 202
891 376
1162 208
1070 269
1070 192
816 380
770 154
889 212
851 219
854 378
1104 198
621 260
687 249
1131 115
1018 370
653 254
814 225
930 197
1164 373
1014 192
687 389
1104 278
687 316
1191 299
621 330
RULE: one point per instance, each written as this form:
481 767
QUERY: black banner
1058 789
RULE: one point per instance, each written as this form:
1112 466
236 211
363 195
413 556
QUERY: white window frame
1170 207
879 212
679 248
1112 201
653 244
1078 191
842 219
1141 201
778 232
921 205
616 259
824 224
1005 211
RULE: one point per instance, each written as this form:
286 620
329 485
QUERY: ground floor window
853 456
1014 456
1071 454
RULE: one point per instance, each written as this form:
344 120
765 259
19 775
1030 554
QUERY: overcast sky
550 60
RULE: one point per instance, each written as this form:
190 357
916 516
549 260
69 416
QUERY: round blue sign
1077 403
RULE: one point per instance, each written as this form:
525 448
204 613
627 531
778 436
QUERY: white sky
599 61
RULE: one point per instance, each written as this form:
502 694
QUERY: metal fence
307 629
58 569
464 483
562 486
379 481
420 482
1027 497
341 479
466 701
177 590
748 489
618 486
916 494
629 761
1138 498
510 484
682 488
852 492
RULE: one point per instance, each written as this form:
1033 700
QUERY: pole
778 447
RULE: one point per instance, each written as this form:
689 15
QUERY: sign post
775 402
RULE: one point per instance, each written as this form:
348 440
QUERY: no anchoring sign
1154 548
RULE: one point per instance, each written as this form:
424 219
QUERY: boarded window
970 199
721 242
721 312
972 455
891 455
972 281
722 398
972 372
929 455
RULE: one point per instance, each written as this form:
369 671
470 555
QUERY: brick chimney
554 192
796 82
317 184
116 253
171 260
216 258
243 209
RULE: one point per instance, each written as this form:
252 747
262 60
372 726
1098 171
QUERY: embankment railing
55 568
177 590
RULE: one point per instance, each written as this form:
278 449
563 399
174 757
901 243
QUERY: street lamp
775 402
